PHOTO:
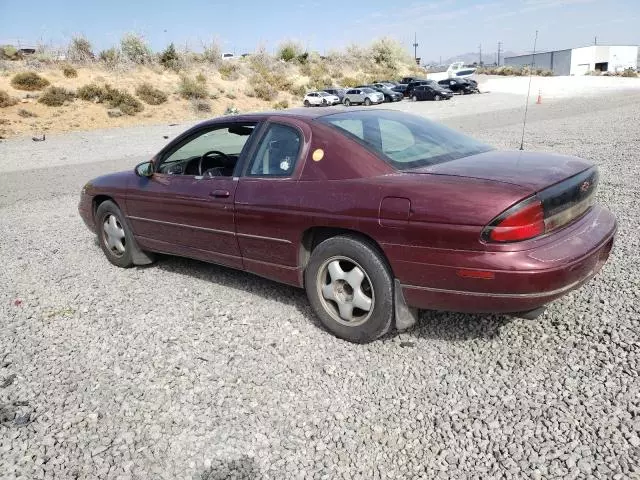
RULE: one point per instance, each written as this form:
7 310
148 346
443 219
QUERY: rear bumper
570 260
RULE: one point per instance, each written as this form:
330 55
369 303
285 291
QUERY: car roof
299 112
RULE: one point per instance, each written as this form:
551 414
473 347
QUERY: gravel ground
189 370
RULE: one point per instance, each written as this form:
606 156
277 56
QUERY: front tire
347 102
116 239
437 98
367 101
350 288
414 98
306 103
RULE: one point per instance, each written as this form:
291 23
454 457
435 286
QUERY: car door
267 198
186 206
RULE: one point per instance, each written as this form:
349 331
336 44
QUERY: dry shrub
69 72
190 88
26 113
56 96
7 100
200 105
113 97
629 72
266 92
281 105
91 93
200 78
29 81
80 50
110 57
229 70
151 95
231 95
212 53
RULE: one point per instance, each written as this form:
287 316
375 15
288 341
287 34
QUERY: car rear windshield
405 141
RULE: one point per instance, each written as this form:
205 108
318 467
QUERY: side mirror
144 169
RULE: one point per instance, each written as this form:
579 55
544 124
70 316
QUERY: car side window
277 153
214 151
354 127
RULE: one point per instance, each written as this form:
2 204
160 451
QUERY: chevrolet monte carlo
375 213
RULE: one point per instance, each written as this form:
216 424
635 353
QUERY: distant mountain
471 57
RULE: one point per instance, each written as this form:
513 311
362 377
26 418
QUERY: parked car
362 95
413 84
430 92
386 83
338 92
389 95
228 56
376 213
320 99
400 88
407 80
458 85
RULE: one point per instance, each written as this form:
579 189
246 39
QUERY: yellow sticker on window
318 154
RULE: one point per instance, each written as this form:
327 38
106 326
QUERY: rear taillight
548 210
521 222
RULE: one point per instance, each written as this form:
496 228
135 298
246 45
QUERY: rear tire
350 288
306 103
414 98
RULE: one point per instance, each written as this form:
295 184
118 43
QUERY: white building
578 61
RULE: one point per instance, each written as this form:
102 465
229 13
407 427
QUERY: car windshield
367 90
405 141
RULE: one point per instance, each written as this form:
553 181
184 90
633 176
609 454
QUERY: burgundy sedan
375 213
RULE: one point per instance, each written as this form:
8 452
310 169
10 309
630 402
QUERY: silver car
364 95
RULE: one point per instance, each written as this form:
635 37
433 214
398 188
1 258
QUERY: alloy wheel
113 235
345 291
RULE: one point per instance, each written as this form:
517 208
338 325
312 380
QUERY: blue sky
444 27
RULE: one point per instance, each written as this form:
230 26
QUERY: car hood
531 170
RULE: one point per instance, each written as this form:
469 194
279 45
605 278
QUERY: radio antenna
526 107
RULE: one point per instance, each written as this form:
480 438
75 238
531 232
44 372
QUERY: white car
320 99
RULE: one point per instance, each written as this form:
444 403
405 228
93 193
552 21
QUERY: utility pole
415 46
595 40
499 51
480 55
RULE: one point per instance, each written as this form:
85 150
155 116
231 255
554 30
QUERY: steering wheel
212 152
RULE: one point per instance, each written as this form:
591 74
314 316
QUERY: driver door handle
219 194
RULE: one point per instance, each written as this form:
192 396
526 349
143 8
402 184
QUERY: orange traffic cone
539 101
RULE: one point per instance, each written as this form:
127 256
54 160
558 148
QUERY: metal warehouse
579 61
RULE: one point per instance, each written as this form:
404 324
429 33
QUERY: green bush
7 100
190 88
56 97
80 50
281 105
29 81
135 49
91 92
9 52
151 95
170 59
350 82
229 70
110 56
69 72
288 51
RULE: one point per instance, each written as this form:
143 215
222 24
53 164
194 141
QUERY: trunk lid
533 171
